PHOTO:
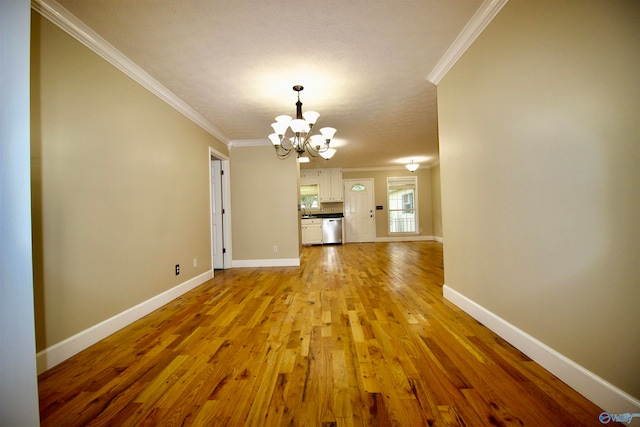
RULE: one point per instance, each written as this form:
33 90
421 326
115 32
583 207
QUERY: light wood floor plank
359 335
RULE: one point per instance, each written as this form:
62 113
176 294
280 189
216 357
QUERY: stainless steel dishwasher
332 230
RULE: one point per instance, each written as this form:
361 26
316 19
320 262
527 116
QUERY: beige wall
425 221
264 204
540 156
120 189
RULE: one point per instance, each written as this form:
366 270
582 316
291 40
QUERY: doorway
359 209
219 210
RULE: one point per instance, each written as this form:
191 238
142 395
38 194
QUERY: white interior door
359 210
217 208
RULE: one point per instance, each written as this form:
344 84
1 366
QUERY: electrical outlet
195 262
275 249
177 269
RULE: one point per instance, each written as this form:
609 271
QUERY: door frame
227 257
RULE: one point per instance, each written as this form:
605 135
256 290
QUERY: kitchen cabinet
312 231
331 189
309 176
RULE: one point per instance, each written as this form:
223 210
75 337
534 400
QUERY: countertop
323 215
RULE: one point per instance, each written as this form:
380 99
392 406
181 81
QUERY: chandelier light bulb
280 128
328 133
284 119
311 117
297 125
275 139
328 153
317 141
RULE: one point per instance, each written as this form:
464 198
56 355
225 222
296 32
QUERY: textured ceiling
363 64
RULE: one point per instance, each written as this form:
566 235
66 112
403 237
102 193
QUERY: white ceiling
363 64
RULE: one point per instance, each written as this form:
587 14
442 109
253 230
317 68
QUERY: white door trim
226 203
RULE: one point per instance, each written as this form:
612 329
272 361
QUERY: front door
359 215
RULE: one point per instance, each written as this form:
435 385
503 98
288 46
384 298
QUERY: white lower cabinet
312 231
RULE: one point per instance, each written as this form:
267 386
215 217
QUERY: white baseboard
283 262
408 239
599 391
51 356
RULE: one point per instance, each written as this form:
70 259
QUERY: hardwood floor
358 336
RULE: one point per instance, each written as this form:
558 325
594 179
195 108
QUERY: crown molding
374 169
476 25
77 29
423 166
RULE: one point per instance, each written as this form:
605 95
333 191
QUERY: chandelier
412 166
302 141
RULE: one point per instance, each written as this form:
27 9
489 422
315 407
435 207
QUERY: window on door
309 196
402 195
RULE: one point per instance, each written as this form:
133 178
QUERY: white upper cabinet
331 185
309 176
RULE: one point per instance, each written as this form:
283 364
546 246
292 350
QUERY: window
309 196
407 202
402 194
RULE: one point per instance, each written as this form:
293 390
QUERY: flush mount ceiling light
412 166
302 141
